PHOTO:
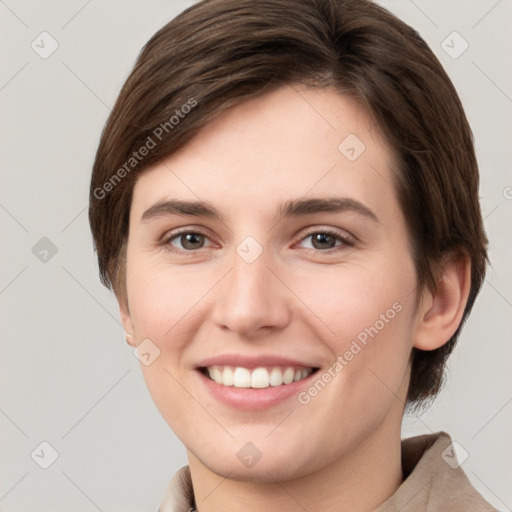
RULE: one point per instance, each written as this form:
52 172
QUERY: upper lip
252 361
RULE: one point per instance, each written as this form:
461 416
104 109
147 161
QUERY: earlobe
440 311
130 340
126 320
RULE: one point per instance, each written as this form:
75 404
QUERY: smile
258 378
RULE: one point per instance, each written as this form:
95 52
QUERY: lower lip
252 399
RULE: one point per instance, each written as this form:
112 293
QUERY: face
268 264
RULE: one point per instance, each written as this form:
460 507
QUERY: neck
360 481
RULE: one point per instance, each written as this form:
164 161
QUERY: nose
252 300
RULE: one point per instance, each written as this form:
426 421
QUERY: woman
285 202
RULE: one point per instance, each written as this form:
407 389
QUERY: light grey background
67 376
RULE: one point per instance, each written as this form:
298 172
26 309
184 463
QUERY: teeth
242 378
276 377
216 375
288 375
258 378
225 377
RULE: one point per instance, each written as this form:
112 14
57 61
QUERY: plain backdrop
67 377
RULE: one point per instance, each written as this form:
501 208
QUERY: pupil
323 238
190 239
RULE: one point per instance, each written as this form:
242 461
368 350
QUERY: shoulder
434 479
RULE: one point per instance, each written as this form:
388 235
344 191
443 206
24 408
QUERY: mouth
256 378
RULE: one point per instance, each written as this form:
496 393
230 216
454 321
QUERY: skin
340 451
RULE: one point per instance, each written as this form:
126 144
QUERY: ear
440 311
126 320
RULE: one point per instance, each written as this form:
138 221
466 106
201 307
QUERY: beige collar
433 482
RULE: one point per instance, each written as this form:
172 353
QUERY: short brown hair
218 53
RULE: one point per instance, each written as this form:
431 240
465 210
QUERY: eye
322 241
327 240
187 241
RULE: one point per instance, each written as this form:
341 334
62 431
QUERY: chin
266 469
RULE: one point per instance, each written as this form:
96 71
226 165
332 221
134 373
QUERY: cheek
369 312
162 302
359 302
161 297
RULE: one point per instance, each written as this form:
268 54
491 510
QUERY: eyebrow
298 207
291 208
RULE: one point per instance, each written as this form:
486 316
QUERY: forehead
285 144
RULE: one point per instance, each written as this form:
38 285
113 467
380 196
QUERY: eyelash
345 241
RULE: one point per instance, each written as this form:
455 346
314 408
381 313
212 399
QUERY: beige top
433 482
